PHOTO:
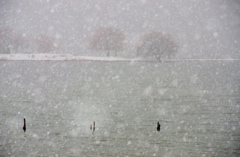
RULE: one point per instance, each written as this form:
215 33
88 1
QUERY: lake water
197 104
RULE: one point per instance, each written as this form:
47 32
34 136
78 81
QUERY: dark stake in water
158 127
198 104
93 126
24 125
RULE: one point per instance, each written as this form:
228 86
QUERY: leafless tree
46 43
11 41
107 39
156 44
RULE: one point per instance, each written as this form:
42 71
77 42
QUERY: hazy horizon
203 29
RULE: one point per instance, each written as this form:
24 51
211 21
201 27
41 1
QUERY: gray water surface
196 103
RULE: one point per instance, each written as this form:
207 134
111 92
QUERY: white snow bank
61 57
69 57
35 56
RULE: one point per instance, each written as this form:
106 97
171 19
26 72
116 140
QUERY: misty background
196 102
206 29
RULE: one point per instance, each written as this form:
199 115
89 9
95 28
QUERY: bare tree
46 44
11 41
107 39
156 44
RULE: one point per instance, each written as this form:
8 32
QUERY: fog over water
202 29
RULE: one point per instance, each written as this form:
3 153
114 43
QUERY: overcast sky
202 28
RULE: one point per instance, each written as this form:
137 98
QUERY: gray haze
202 28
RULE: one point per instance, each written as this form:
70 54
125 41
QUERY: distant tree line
157 45
12 41
107 39
154 44
46 43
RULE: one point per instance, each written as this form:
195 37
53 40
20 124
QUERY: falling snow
51 77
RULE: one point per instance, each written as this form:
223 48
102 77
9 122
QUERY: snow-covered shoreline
69 57
65 57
